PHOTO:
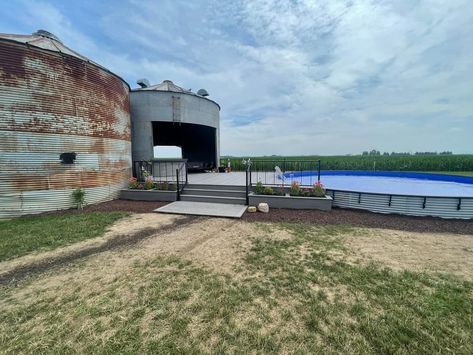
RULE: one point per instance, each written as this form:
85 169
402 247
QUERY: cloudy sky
292 77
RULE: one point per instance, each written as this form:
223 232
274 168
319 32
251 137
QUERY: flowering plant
133 183
318 190
295 189
149 183
259 189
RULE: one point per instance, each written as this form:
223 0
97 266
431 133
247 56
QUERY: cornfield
358 162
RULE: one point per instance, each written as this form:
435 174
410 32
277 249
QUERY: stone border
292 202
148 195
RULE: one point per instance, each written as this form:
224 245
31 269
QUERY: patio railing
181 179
162 170
169 171
277 172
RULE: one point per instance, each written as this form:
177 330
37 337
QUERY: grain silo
64 124
169 115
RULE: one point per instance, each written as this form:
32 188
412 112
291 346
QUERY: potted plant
149 190
297 198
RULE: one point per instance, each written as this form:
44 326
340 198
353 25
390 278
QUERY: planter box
148 195
292 202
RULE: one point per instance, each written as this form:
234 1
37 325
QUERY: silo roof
45 40
48 41
167 85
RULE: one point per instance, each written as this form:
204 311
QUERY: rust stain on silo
62 95
51 103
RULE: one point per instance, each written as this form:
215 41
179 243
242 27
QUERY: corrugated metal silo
169 115
54 101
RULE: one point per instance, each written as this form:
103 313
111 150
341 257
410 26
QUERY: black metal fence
167 174
283 172
142 169
161 170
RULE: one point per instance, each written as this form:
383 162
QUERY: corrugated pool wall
51 103
444 207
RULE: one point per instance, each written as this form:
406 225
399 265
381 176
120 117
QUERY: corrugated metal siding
51 104
445 207
31 202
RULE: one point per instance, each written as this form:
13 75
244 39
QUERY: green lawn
298 295
24 235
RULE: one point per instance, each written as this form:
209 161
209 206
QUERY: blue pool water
396 183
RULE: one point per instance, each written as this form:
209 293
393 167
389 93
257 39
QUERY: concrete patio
237 178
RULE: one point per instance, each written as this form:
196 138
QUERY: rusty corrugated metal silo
55 101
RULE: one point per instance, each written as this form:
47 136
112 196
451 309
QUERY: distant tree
425 153
375 152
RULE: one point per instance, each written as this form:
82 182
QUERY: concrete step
212 192
216 187
204 209
214 199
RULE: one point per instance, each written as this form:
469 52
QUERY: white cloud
299 77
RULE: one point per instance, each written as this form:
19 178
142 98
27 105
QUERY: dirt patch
217 243
127 225
365 219
132 231
415 251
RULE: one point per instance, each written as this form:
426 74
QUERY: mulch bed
365 219
336 216
114 205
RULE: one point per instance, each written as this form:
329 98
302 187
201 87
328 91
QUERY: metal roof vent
202 92
144 83
47 34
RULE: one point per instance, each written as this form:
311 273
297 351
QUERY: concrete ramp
204 209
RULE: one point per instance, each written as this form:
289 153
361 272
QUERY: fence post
318 170
185 168
247 190
250 174
178 193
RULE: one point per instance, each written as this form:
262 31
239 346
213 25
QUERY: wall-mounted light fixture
68 158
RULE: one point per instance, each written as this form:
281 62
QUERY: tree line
375 152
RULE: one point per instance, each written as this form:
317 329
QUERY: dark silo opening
198 142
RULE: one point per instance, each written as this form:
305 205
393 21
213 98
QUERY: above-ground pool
419 194
397 183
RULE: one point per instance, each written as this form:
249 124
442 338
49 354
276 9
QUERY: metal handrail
179 174
248 183
178 192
